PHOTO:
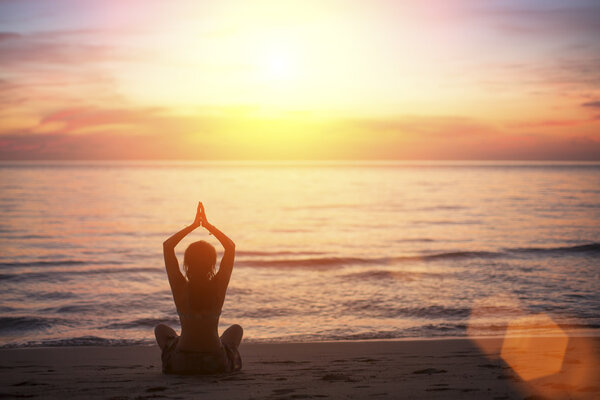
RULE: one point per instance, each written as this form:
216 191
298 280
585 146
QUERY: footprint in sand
338 378
156 389
430 371
283 391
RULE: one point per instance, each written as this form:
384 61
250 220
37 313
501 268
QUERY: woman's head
199 261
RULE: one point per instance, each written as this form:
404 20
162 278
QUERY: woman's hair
199 261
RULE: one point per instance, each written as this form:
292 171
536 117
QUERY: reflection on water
325 251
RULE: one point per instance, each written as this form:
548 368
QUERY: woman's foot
233 336
163 333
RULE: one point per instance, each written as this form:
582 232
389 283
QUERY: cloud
71 90
97 146
465 138
110 133
547 123
87 119
95 133
430 126
594 104
576 76
53 48
52 70
556 44
570 20
5 36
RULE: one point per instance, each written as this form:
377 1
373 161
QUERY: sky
287 80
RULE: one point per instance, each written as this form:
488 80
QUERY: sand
453 368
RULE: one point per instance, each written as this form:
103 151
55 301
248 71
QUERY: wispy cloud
152 134
428 126
547 123
82 120
541 18
52 48
593 104
96 146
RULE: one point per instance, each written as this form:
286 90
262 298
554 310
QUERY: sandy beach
453 368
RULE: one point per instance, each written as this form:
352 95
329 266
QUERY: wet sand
451 368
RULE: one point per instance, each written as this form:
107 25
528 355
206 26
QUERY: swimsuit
175 361
199 315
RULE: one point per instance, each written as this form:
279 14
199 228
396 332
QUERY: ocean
325 250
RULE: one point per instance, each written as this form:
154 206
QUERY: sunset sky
300 80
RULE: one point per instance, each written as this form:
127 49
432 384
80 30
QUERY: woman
199 298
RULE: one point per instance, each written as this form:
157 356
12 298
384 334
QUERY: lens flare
533 357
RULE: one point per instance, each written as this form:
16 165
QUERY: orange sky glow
289 80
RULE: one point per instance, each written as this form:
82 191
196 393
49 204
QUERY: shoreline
519 367
589 333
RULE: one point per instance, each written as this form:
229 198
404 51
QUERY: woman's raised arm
176 279
226 265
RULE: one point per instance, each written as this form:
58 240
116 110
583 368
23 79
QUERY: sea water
324 250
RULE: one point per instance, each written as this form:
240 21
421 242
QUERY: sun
279 64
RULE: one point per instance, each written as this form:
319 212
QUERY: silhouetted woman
199 298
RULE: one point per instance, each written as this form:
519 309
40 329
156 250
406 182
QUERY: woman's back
199 326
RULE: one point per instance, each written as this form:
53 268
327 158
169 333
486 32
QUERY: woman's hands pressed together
200 219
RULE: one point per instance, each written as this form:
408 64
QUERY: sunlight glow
534 357
536 348
279 65
385 80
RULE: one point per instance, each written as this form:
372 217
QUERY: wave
250 253
24 236
55 295
263 259
49 263
426 331
314 262
406 276
80 341
582 248
52 276
330 262
383 310
27 323
272 312
324 262
59 263
142 323
416 240
454 254
77 309
421 331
